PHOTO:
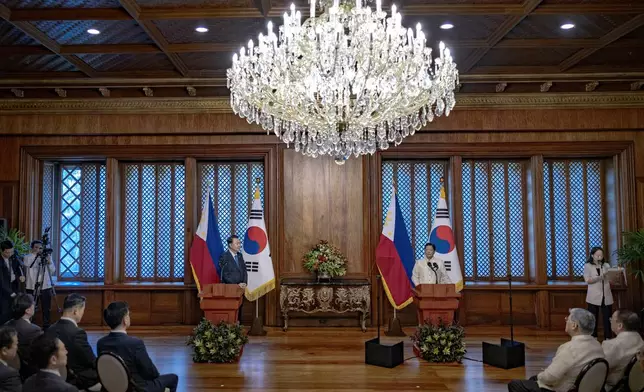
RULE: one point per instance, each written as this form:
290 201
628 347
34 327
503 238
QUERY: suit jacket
230 271
619 352
27 332
422 274
598 287
80 359
7 288
133 352
570 358
47 382
9 379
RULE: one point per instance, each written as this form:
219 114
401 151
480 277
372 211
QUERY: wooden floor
332 359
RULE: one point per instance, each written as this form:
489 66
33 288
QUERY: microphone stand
434 268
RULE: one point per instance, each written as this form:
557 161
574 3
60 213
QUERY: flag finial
257 181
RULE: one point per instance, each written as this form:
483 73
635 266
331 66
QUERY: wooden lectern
436 302
221 302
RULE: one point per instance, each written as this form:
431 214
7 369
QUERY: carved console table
336 296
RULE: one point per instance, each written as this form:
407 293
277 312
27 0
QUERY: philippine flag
443 237
206 248
257 253
395 257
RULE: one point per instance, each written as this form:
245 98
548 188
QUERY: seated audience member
50 355
81 360
132 350
9 377
624 346
640 358
23 310
570 358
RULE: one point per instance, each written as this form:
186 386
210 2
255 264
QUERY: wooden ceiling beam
161 79
47 42
500 33
153 32
589 9
38 14
263 9
110 49
604 41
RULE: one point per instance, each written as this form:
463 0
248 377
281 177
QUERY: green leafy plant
325 258
440 343
221 343
20 245
632 252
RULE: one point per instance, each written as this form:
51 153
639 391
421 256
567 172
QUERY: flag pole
257 329
395 328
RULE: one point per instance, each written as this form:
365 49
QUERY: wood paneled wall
317 199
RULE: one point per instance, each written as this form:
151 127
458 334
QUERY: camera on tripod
46 251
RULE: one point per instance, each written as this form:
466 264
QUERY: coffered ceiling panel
74 32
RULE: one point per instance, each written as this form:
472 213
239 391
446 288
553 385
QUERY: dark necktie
237 259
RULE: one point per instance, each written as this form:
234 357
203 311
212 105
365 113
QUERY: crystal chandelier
349 81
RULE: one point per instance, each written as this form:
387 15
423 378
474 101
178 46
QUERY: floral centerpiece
439 343
221 343
325 260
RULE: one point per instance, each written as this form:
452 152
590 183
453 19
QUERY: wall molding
218 105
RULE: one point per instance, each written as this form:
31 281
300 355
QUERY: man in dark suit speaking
233 267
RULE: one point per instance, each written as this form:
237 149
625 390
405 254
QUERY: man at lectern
233 267
430 269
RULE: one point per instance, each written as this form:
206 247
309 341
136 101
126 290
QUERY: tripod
40 281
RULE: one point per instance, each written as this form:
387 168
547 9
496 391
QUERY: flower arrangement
439 343
325 260
221 343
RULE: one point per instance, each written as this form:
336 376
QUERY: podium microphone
434 267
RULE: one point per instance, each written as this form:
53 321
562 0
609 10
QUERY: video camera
46 250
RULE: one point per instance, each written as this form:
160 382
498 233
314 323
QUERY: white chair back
593 376
635 376
112 373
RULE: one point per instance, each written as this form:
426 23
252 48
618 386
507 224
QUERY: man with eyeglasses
571 357
624 346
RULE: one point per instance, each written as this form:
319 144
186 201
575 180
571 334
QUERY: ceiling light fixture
201 29
93 31
447 26
567 26
350 81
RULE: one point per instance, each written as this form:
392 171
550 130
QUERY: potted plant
632 252
439 343
20 245
221 343
325 260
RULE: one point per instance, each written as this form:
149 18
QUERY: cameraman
36 273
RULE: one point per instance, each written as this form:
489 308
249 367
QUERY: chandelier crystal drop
350 81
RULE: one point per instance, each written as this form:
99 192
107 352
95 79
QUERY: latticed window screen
494 220
573 206
48 195
418 188
154 221
81 221
232 185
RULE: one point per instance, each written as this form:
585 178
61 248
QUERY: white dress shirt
618 352
571 357
32 272
422 274
597 284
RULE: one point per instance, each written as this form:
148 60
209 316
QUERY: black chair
592 376
634 375
114 374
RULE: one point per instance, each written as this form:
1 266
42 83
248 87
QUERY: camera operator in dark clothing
39 270
10 278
